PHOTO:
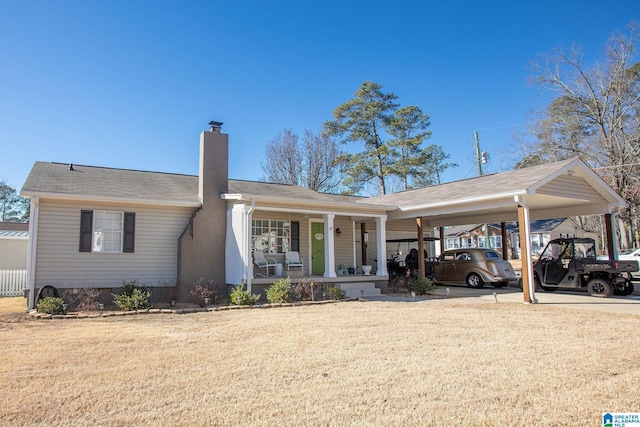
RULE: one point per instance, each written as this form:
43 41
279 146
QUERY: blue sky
131 84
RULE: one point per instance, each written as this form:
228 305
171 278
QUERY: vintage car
473 266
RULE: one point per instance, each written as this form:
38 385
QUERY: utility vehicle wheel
536 282
475 281
599 288
627 289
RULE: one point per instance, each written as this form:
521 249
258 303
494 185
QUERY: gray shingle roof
486 185
99 182
286 191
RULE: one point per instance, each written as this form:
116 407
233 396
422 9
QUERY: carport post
420 247
610 230
505 246
528 286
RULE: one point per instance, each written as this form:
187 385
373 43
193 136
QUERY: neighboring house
541 231
473 236
97 227
14 239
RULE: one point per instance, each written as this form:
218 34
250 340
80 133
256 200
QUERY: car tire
599 288
475 281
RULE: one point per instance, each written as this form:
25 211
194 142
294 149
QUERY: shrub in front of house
133 297
239 296
334 292
204 291
280 291
51 305
422 286
305 289
82 299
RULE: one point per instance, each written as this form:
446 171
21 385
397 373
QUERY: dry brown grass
12 305
353 363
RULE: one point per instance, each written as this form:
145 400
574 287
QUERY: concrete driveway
563 299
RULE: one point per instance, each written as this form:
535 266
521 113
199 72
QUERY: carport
559 189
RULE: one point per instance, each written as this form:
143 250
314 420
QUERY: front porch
353 285
317 278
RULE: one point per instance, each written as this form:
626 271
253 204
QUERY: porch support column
528 285
238 259
381 245
420 247
363 245
441 240
329 246
505 246
612 238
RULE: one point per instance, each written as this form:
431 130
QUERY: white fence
12 282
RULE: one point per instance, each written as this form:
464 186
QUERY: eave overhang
110 199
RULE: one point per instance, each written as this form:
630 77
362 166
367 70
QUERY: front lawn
350 363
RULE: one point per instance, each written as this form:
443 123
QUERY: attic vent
215 126
71 167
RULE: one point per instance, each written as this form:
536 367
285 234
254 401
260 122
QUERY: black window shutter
86 230
295 236
129 232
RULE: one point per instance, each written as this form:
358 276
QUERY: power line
504 127
617 166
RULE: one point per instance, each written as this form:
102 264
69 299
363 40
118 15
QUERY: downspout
248 254
32 245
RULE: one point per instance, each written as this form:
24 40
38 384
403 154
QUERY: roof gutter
509 195
307 202
110 199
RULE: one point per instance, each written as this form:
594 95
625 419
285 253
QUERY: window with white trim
271 236
107 231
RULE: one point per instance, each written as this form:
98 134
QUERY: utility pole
481 158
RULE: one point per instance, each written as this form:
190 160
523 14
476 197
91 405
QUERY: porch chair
292 259
262 262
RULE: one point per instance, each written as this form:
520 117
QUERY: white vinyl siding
570 186
61 264
343 243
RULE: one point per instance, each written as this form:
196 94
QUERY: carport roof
560 189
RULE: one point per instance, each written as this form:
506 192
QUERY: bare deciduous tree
313 163
595 115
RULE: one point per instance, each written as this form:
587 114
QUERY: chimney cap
215 126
